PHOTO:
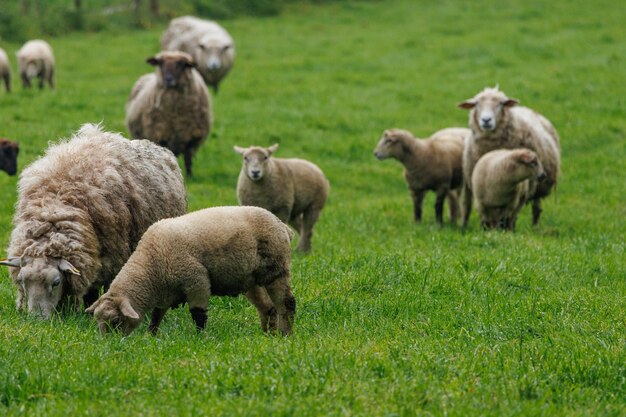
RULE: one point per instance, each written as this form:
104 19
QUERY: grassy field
394 319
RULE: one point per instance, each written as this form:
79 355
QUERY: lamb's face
114 313
8 157
488 108
528 165
256 161
212 52
389 144
173 68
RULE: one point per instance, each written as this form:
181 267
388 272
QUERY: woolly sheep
210 45
429 164
293 189
215 251
501 185
497 122
81 210
5 70
171 107
8 156
36 59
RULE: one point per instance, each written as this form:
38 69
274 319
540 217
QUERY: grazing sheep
5 70
498 123
501 185
81 210
215 251
36 59
293 189
8 156
208 43
429 164
171 107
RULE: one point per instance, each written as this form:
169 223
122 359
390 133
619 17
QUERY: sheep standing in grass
5 70
293 189
8 156
215 251
501 183
497 122
81 210
36 60
429 164
171 107
210 45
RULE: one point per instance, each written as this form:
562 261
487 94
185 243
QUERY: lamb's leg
467 205
309 218
188 155
155 321
453 206
536 211
280 293
197 291
441 196
418 198
267 312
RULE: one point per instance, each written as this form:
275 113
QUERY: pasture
393 318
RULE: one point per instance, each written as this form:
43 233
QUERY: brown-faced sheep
5 70
216 251
8 156
171 107
429 164
36 59
501 183
210 45
497 122
293 189
81 210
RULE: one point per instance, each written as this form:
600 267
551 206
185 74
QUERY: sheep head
211 50
173 68
528 165
391 145
114 312
256 161
42 281
8 156
488 108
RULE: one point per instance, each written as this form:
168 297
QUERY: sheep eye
245 158
265 158
56 282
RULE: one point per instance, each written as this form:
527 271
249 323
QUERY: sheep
501 185
5 70
81 210
36 59
171 107
224 251
429 164
210 45
8 156
497 122
293 189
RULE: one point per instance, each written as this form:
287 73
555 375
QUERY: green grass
393 318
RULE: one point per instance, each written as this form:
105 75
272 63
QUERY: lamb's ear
154 61
510 102
14 262
128 310
273 148
526 158
92 308
65 266
239 150
469 104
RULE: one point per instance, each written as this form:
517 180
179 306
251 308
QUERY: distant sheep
210 45
5 70
429 164
498 123
8 156
171 106
36 60
80 212
293 189
215 251
501 183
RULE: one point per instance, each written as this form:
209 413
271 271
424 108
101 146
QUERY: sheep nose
255 173
542 176
170 81
486 120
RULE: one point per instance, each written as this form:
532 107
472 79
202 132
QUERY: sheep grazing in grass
501 183
5 70
36 60
81 210
8 156
210 45
293 189
223 251
429 164
171 107
497 122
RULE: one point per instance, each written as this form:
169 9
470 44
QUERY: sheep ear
526 158
128 310
92 308
14 262
273 148
154 61
65 266
510 102
469 104
239 150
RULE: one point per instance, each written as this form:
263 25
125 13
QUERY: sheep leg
453 206
7 82
197 292
199 316
309 218
418 198
467 205
296 223
267 312
280 293
41 82
188 155
25 81
51 80
155 320
536 211
441 196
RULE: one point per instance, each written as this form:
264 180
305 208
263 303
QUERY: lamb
8 156
293 189
501 185
222 251
81 210
210 45
36 59
429 164
497 122
5 70
171 107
